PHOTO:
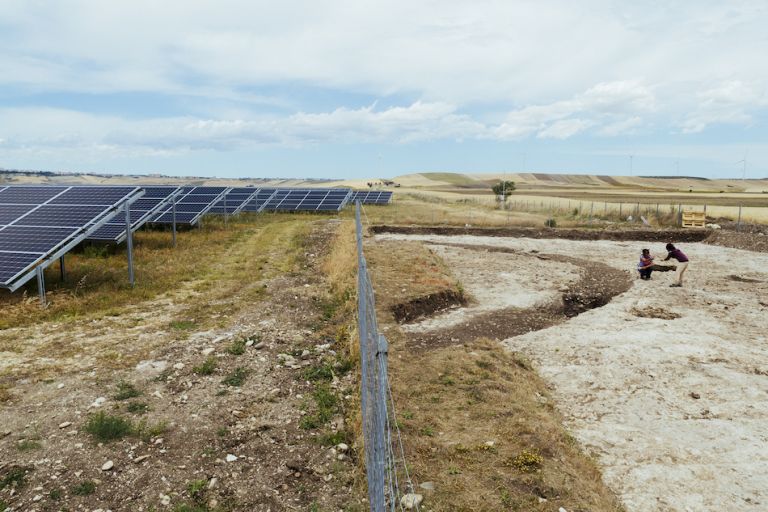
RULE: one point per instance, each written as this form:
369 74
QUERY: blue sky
365 89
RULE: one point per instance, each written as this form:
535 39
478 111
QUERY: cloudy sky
380 88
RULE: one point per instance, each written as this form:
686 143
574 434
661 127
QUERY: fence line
390 486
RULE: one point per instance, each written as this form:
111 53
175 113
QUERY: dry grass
477 420
97 283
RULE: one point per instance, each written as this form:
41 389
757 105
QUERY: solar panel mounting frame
22 277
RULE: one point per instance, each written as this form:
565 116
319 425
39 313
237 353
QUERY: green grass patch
126 390
183 325
55 494
237 348
333 438
137 407
326 404
236 378
27 445
207 367
105 427
14 477
85 488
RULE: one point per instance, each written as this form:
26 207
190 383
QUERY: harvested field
666 387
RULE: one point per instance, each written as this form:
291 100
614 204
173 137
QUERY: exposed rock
107 465
411 500
231 458
65 424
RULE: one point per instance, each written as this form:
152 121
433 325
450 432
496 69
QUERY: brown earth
202 441
597 285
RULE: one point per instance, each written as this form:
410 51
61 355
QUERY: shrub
207 367
126 390
84 488
550 223
236 378
108 428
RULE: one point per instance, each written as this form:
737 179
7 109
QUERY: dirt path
673 408
219 414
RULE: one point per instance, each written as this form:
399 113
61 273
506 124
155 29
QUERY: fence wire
390 486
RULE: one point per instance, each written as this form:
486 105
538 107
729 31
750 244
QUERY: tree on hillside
503 189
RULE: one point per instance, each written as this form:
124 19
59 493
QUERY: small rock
328 478
178 366
60 386
140 459
212 483
37 497
428 486
5 433
65 424
213 503
411 500
259 345
208 351
231 458
342 447
695 395
107 465
249 343
159 440
165 500
99 402
561 509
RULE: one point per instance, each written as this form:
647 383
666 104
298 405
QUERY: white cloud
564 129
729 102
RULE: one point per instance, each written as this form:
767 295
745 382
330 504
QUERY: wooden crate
694 219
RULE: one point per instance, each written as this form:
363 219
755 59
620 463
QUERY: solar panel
193 203
300 199
259 200
38 224
372 196
234 201
155 199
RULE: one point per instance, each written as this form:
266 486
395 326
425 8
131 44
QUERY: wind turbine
744 165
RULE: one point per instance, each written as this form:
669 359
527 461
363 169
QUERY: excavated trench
597 285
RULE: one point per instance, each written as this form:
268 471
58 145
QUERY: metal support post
738 223
61 268
173 213
40 272
226 213
129 242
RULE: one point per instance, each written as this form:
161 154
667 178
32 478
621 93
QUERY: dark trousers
645 273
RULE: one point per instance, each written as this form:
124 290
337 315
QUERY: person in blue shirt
645 264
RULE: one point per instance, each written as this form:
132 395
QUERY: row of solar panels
38 224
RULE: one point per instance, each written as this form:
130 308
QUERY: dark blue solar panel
190 206
103 196
14 263
11 212
55 219
58 215
155 198
372 196
29 194
29 239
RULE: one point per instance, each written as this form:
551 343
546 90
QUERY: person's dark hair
646 251
670 247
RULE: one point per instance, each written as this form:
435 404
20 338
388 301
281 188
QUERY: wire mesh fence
390 486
